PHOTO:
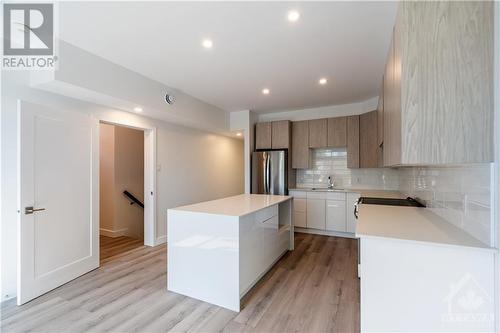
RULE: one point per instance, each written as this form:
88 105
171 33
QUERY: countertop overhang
238 205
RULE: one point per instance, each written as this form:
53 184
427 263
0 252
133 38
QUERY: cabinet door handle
30 210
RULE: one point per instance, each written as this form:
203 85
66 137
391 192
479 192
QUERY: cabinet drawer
299 205
266 213
271 223
299 219
316 195
335 196
298 194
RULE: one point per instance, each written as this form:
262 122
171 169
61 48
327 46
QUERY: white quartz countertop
413 224
363 192
238 205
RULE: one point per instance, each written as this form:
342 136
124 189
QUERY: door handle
31 210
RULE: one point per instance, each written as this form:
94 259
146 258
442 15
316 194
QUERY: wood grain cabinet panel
368 147
280 133
438 89
353 142
389 128
380 116
263 136
300 145
318 133
337 132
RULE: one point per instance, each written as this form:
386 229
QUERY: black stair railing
133 199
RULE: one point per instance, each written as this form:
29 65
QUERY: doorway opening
121 189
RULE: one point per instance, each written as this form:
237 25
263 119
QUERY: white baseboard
160 240
113 233
325 232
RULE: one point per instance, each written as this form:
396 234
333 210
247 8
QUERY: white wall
244 121
107 177
91 78
194 165
121 167
461 195
129 175
496 183
322 112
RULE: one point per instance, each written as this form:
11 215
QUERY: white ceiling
254 47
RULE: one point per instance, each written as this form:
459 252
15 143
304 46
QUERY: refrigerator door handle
267 173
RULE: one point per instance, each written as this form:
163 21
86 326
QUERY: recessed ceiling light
207 43
238 134
293 16
322 81
138 109
266 91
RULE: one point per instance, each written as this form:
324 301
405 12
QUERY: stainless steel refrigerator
269 172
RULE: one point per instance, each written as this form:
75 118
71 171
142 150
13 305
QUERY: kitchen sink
324 189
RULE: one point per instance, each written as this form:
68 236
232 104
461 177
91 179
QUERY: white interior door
58 160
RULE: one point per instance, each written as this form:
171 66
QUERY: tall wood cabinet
300 145
280 134
368 147
353 142
318 133
380 116
263 136
438 84
272 135
337 132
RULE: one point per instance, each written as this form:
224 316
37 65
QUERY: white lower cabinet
411 286
324 211
316 213
299 212
351 220
335 215
300 219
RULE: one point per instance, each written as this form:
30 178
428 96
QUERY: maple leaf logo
470 301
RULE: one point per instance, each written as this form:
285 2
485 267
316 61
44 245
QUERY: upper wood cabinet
318 133
337 132
353 142
438 90
300 145
380 116
272 135
263 136
392 132
280 134
368 147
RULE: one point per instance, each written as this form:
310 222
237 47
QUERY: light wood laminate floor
312 289
112 246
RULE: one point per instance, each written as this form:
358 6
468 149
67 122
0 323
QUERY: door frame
150 231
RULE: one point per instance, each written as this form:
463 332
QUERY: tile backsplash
333 162
461 195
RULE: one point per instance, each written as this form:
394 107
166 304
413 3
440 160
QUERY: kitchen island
217 250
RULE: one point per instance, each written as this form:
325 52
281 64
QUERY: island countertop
238 205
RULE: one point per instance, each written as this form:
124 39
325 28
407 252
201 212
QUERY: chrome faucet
330 182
